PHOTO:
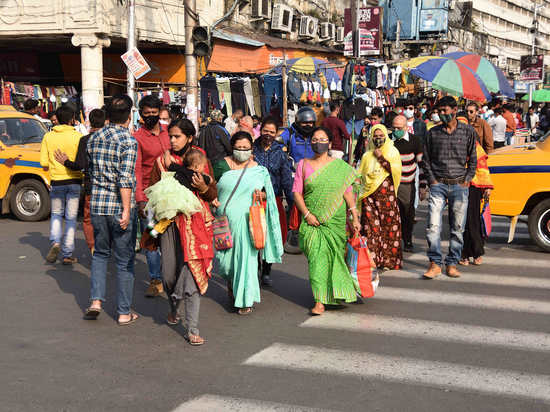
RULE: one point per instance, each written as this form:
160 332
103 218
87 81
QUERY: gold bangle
205 190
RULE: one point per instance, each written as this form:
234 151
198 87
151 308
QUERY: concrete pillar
91 54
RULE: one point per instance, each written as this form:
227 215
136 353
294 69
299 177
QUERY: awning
237 53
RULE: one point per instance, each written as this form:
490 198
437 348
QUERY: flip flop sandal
316 312
52 254
70 261
464 262
244 311
133 318
175 322
478 261
194 340
92 313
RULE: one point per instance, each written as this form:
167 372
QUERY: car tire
30 201
539 225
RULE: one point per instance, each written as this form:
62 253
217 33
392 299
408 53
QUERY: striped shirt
112 154
411 150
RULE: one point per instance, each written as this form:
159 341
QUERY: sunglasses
471 111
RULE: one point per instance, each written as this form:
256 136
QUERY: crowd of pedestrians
178 184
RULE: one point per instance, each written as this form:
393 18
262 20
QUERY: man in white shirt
498 126
233 121
532 121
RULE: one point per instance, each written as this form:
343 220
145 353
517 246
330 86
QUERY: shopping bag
222 233
257 224
486 223
295 218
364 273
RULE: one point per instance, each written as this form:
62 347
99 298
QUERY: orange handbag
295 214
257 224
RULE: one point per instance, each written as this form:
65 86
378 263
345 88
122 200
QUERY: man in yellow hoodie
64 184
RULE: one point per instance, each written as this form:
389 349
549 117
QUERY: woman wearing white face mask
435 120
240 179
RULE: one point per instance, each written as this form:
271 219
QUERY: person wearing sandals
323 193
270 154
186 244
480 189
240 179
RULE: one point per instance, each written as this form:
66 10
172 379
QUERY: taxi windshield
17 131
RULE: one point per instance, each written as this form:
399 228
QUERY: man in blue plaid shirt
112 154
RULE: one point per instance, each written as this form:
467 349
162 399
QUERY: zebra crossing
506 333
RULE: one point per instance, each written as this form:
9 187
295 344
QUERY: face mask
446 118
267 138
319 148
398 134
373 122
436 118
423 110
151 121
408 113
242 155
379 142
182 151
307 128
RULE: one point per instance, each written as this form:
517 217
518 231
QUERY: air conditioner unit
340 35
261 9
308 26
282 18
327 31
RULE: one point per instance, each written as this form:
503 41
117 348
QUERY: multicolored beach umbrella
450 76
491 75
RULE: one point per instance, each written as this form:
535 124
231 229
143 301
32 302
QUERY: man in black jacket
214 139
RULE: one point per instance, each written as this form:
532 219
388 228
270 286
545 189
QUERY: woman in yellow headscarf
380 220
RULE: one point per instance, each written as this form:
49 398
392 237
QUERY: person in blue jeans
112 154
64 184
449 163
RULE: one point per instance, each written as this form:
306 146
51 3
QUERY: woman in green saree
322 193
239 264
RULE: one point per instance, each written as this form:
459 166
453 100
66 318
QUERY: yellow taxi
24 185
521 176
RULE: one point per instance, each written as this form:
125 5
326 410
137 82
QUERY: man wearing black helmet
297 138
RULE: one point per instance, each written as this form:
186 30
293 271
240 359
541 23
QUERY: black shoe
409 248
266 281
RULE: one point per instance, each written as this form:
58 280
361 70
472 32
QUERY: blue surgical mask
423 110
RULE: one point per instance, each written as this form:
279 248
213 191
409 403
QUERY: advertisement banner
370 32
521 87
532 69
135 63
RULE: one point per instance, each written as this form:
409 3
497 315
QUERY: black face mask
319 148
182 151
151 121
267 138
304 131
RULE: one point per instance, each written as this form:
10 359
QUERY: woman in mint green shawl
239 264
322 192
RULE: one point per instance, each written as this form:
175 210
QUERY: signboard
135 63
532 69
502 61
521 87
370 31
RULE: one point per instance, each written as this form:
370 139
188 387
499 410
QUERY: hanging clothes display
224 87
248 94
273 87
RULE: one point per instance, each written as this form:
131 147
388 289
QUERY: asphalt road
478 343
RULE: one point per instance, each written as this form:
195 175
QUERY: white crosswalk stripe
492 260
463 299
211 403
440 331
478 277
401 369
